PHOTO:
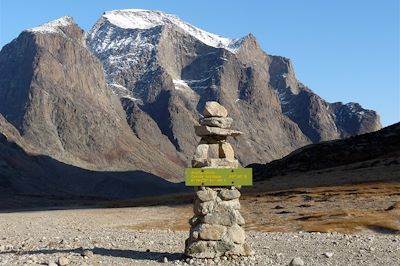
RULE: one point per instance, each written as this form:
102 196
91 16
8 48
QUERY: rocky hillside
125 95
318 119
53 91
378 149
168 69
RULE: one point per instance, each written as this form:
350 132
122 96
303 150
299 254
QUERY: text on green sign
218 177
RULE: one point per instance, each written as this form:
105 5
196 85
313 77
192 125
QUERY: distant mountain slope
318 119
367 151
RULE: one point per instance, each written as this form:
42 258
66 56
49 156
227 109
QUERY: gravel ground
96 237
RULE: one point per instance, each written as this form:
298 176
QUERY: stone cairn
216 227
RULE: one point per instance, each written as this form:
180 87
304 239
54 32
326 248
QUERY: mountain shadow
42 177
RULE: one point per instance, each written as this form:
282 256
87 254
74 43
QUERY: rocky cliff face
318 119
60 104
170 69
126 95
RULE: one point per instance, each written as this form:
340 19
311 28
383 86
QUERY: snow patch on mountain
119 86
355 109
182 86
121 50
180 83
131 98
53 26
123 92
146 19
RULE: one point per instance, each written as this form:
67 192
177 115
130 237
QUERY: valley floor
362 214
37 238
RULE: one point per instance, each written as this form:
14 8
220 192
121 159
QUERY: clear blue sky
343 50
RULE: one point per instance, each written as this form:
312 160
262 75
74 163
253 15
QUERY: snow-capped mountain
125 95
124 39
140 19
163 63
54 26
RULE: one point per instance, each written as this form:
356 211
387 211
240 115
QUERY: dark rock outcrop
364 151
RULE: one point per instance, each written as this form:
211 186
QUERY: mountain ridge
170 55
121 98
146 19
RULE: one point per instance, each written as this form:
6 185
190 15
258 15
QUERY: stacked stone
214 151
216 227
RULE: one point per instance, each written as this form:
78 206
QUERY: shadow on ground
118 253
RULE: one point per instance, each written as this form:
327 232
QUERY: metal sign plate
218 177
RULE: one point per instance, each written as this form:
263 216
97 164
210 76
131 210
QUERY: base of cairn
216 227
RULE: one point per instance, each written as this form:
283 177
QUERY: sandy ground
344 209
155 235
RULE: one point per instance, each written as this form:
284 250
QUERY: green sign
218 177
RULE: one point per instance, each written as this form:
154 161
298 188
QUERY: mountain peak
54 26
146 19
136 18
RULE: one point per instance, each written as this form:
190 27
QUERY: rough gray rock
237 234
229 194
87 253
63 261
296 262
223 163
203 208
226 151
328 254
206 194
233 204
227 218
201 152
211 232
210 131
222 122
214 109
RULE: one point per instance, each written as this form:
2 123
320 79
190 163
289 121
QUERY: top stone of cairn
214 109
